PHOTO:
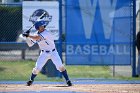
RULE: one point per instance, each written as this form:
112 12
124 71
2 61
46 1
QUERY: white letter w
88 14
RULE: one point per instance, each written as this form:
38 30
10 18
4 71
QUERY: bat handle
28 31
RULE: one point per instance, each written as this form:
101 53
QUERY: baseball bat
40 17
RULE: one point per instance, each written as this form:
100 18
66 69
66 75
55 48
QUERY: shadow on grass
2 69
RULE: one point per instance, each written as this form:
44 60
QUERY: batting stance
45 40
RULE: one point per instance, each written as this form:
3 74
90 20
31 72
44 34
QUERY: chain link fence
12 47
11 22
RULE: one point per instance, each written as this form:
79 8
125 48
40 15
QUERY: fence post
60 32
134 38
23 54
139 16
60 28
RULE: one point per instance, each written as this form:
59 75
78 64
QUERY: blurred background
17 59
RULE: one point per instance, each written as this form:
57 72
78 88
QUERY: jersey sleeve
30 42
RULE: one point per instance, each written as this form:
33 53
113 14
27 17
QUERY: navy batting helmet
40 23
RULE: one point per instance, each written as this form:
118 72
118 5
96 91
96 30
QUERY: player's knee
62 68
35 71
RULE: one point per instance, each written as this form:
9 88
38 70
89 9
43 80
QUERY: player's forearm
35 37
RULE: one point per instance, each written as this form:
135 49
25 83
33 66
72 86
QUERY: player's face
41 29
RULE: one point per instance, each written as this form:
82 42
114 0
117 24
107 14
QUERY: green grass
21 70
88 71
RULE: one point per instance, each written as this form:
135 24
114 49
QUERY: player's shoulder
45 33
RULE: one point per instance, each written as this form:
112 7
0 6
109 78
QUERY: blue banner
99 32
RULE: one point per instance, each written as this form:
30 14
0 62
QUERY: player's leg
42 59
59 66
64 73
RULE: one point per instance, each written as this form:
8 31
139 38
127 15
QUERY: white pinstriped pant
45 56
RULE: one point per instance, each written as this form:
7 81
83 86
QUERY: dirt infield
77 88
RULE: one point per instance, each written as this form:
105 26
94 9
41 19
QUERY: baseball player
45 40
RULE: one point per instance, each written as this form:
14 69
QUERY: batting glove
25 34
